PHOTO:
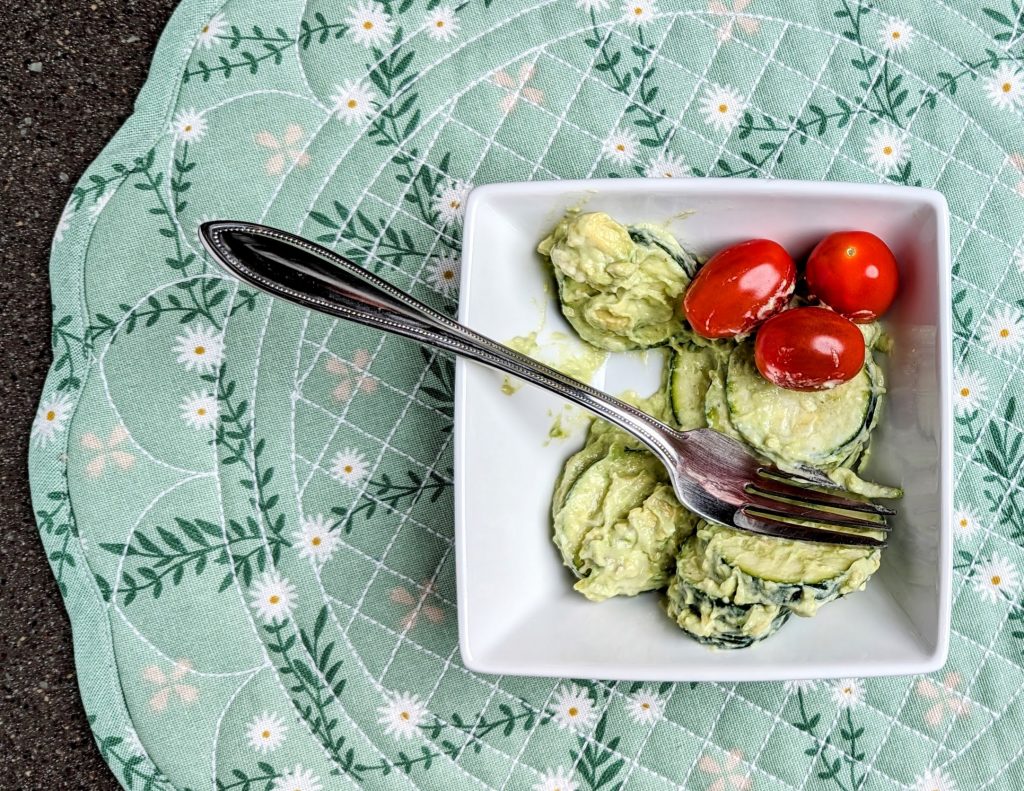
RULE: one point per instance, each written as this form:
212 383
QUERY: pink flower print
947 701
286 148
1017 161
725 774
516 87
354 378
406 598
732 18
168 685
107 450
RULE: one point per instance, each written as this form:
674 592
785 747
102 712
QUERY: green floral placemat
249 508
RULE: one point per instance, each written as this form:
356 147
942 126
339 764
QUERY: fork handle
306 274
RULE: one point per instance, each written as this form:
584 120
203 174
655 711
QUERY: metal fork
712 474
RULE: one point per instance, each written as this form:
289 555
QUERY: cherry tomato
739 288
854 273
808 349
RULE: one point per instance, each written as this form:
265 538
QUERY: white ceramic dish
518 613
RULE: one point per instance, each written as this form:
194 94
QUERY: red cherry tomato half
854 273
739 288
808 349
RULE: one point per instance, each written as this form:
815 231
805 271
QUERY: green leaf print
133 768
59 522
394 495
166 554
200 297
99 183
312 697
234 437
390 246
439 382
257 47
68 348
479 726
596 762
1014 27
852 755
1002 453
241 781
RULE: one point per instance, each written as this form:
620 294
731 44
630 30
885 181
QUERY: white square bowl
517 611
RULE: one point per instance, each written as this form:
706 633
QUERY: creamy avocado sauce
580 361
619 286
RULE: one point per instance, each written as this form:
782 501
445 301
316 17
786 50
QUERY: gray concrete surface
69 73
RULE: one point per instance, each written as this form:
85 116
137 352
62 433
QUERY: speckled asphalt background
69 73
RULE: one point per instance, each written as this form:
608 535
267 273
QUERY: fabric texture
248 508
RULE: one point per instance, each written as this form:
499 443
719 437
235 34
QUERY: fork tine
763 525
779 509
768 483
808 476
787 510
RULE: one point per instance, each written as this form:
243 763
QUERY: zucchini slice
745 568
820 429
716 621
646 235
595 450
689 377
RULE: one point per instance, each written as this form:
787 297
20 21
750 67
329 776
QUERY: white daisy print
573 708
620 147
722 107
349 466
266 732
200 349
848 693
887 149
800 685
443 274
996 579
667 166
592 5
966 523
101 203
1018 257
555 780
934 780
450 202
199 410
645 707
63 224
1003 330
969 391
402 715
896 34
273 597
208 33
441 24
639 12
297 779
315 539
370 24
1005 88
51 418
353 102
188 126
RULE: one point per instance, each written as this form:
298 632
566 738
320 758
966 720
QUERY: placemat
249 508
